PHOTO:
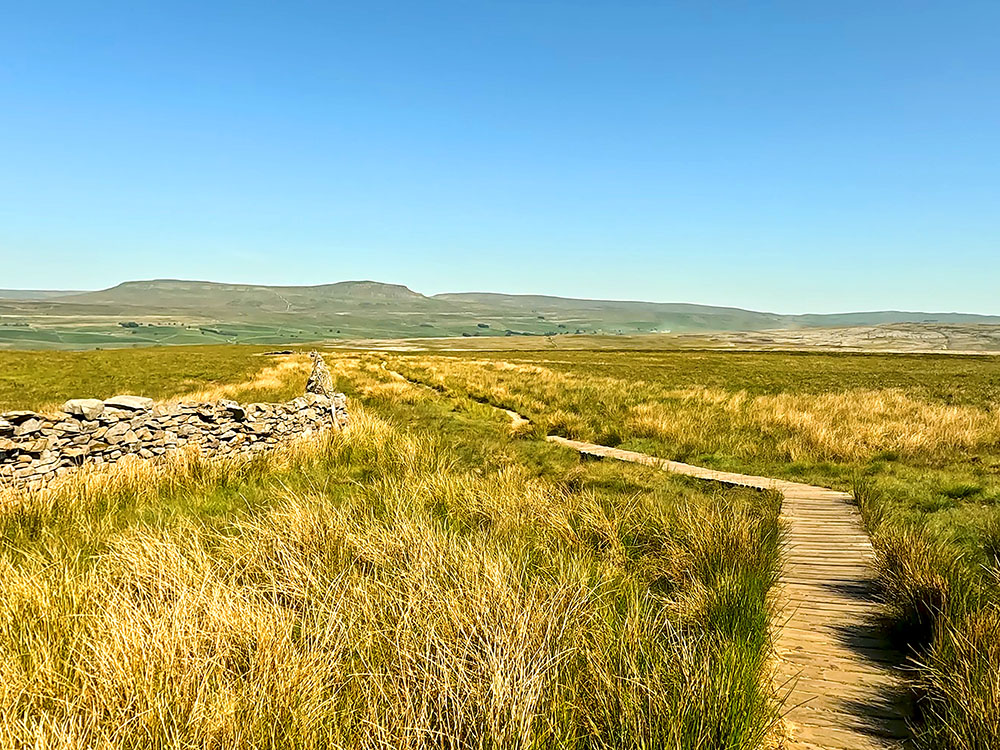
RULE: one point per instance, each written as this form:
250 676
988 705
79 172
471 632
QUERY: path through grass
915 438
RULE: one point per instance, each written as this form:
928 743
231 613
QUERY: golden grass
851 425
366 589
923 461
271 379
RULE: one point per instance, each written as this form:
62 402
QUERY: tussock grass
920 451
414 581
430 578
946 612
960 681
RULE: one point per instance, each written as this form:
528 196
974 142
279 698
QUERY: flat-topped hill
175 294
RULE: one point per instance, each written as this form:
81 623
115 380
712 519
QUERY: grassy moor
422 579
435 576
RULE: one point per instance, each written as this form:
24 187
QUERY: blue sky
787 156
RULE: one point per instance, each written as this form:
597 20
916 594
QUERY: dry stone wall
36 448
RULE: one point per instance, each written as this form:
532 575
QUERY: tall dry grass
850 425
369 590
927 468
946 614
277 382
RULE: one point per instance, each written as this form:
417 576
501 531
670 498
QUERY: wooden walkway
835 671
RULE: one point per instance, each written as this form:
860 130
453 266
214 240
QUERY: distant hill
34 294
646 315
164 311
174 294
690 317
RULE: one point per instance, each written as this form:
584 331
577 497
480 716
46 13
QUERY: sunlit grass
45 380
434 577
922 454
422 579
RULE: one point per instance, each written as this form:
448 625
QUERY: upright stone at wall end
320 380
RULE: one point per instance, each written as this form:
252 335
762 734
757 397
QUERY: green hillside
170 311
29 294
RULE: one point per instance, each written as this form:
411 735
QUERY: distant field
38 380
894 338
47 332
173 312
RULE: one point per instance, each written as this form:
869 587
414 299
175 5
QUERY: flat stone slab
88 408
131 403
16 417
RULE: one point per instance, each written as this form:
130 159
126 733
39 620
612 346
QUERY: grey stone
236 411
16 417
130 403
88 408
320 381
116 432
28 427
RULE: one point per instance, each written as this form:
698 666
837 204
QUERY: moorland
432 577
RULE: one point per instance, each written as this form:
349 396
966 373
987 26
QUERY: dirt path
836 673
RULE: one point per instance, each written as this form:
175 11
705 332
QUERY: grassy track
425 579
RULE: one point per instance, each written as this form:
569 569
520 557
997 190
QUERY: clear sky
789 156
